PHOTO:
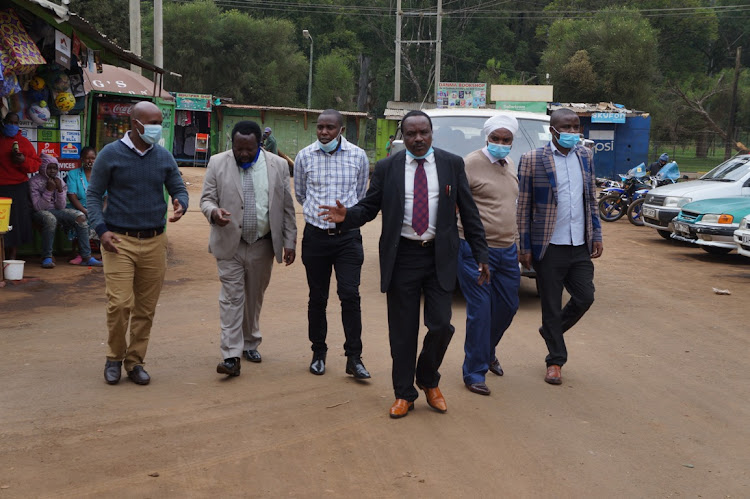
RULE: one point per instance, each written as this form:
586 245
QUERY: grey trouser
244 279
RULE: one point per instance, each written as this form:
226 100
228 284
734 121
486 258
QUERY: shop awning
122 81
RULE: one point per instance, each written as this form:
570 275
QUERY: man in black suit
418 191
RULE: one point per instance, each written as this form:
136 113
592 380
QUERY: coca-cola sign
115 108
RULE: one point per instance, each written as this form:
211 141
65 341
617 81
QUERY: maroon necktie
420 218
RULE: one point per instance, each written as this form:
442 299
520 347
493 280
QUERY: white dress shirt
433 193
128 142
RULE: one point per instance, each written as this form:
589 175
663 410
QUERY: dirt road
654 401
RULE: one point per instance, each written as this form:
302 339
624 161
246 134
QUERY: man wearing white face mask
134 172
329 169
490 307
560 231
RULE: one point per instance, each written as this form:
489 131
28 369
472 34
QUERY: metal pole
397 79
307 34
135 32
439 46
158 34
733 108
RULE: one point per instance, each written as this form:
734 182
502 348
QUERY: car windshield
464 134
730 170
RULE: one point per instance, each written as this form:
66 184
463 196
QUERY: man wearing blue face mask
134 171
560 231
490 308
329 169
18 157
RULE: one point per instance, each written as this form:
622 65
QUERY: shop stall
191 128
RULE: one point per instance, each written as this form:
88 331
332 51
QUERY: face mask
10 130
329 147
567 140
498 151
248 164
430 151
151 133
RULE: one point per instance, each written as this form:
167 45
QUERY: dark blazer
537 199
386 194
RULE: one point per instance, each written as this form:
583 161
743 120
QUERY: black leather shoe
230 367
480 388
356 368
496 368
252 355
139 376
112 371
318 364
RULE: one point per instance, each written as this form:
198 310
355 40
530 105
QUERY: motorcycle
614 201
668 174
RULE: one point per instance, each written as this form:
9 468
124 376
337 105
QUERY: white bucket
13 269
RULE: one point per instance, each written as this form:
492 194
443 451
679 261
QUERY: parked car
461 131
711 223
731 178
742 237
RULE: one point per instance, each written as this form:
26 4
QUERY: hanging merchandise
18 53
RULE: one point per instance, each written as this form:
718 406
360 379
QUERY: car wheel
665 234
634 212
611 208
714 250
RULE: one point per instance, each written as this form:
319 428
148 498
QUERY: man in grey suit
248 202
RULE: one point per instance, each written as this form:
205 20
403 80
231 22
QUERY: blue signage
607 117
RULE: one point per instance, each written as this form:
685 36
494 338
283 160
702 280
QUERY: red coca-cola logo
122 109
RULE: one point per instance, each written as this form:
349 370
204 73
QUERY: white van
461 131
731 178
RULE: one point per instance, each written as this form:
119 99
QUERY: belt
140 234
418 242
333 231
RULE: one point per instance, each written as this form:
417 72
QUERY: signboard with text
452 94
530 107
193 102
607 117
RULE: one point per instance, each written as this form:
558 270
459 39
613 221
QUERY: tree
333 85
616 46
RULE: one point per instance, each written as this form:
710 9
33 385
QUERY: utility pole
439 46
158 34
135 32
733 108
397 83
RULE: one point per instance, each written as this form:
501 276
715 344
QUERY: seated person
657 165
48 196
78 182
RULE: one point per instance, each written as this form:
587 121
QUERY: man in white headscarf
490 307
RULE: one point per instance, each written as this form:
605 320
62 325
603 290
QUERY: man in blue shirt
559 231
134 172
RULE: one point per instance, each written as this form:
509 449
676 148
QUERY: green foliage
333 83
110 17
231 54
616 50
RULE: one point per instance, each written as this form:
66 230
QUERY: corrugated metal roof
291 109
586 109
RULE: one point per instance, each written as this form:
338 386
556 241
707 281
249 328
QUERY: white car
731 178
742 237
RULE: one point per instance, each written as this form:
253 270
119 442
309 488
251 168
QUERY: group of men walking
444 219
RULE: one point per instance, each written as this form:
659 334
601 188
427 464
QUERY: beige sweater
495 191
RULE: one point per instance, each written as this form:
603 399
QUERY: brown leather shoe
401 408
496 368
435 398
480 388
554 376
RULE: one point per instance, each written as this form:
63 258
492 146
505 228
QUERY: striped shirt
321 179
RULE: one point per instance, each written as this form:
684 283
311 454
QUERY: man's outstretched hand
335 214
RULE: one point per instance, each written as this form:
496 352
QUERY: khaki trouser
133 277
244 279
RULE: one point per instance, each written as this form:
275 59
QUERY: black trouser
414 275
571 267
342 252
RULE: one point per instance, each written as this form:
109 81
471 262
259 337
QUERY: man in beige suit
248 202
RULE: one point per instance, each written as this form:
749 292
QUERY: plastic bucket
5 213
13 269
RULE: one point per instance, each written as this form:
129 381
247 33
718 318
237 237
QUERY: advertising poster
452 94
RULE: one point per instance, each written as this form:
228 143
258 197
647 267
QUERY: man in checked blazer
560 231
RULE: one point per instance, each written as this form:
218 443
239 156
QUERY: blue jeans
49 220
490 308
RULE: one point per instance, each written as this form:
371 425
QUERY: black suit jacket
386 194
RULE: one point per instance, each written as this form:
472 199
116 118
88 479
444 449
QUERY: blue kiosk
620 135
